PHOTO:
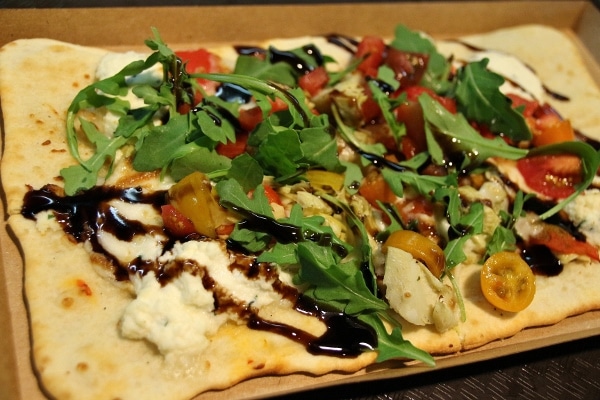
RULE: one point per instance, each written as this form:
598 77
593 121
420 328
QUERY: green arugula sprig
479 98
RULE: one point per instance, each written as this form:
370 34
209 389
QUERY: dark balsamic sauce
294 60
284 233
233 93
345 335
252 51
345 42
83 215
541 260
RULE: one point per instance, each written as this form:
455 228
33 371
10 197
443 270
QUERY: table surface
565 371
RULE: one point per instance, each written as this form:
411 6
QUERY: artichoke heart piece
416 294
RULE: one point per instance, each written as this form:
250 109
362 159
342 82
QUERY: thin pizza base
74 312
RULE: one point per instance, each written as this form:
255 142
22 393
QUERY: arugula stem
260 86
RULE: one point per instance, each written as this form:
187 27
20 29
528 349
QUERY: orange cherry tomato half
507 282
420 248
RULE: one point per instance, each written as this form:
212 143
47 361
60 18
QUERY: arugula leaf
387 105
339 284
425 185
391 345
199 158
457 137
281 72
438 68
479 99
246 171
84 176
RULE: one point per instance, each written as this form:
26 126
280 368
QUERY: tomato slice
175 222
507 282
371 50
554 176
561 241
314 81
420 247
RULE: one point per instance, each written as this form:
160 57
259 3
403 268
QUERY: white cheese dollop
528 84
112 63
256 292
583 211
148 246
177 317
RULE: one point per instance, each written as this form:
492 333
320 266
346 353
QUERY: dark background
562 372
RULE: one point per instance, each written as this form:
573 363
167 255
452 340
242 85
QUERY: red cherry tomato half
554 176
175 222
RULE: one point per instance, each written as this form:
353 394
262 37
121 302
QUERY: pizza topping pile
348 187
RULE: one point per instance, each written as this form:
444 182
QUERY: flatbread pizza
193 218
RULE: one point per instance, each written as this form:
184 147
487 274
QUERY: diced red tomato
250 117
225 230
559 240
413 93
553 176
550 129
369 108
233 149
545 123
374 188
411 114
413 211
408 67
529 107
277 105
175 222
371 49
408 147
201 61
314 81
270 193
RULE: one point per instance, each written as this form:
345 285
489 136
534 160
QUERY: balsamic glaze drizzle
83 215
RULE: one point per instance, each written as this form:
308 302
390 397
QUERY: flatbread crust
74 312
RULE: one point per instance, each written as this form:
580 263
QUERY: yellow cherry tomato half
507 282
420 247
193 197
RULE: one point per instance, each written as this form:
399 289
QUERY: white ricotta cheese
583 211
177 318
113 63
528 84
256 292
147 247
